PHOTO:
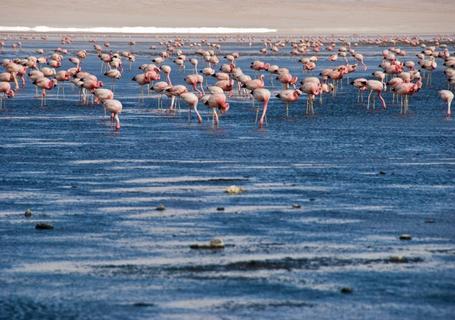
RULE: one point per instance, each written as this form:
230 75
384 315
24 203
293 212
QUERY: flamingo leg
382 100
369 98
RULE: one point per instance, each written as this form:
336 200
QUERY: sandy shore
287 16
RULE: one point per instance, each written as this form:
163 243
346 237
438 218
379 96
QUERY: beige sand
288 16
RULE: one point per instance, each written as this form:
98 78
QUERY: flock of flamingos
397 74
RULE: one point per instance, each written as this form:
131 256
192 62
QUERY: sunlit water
112 255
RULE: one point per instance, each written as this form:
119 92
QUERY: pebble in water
398 259
44 226
405 237
346 290
234 190
28 213
214 244
161 207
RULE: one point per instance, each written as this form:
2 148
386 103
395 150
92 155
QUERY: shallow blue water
112 255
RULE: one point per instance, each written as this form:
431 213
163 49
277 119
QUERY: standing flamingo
376 86
192 100
216 101
447 96
113 74
45 84
6 91
289 96
262 95
115 108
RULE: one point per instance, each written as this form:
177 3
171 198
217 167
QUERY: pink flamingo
289 96
376 86
6 91
45 84
194 80
192 100
115 108
214 102
447 96
312 89
262 95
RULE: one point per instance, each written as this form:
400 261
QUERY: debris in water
161 207
44 226
234 190
214 244
346 290
28 213
398 259
405 237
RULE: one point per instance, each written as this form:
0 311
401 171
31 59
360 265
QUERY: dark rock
44 226
296 206
405 237
161 207
381 173
346 290
398 259
143 304
220 209
215 244
28 213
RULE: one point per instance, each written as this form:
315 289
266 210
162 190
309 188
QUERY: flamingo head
224 107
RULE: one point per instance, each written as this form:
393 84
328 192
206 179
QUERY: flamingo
214 102
289 96
262 95
376 86
174 92
447 96
312 89
102 94
194 80
192 100
360 85
115 108
45 84
113 74
6 91
160 88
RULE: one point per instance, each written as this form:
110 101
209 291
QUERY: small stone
429 220
143 304
398 259
161 207
381 173
28 213
234 190
214 244
405 237
296 206
44 226
220 209
346 290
